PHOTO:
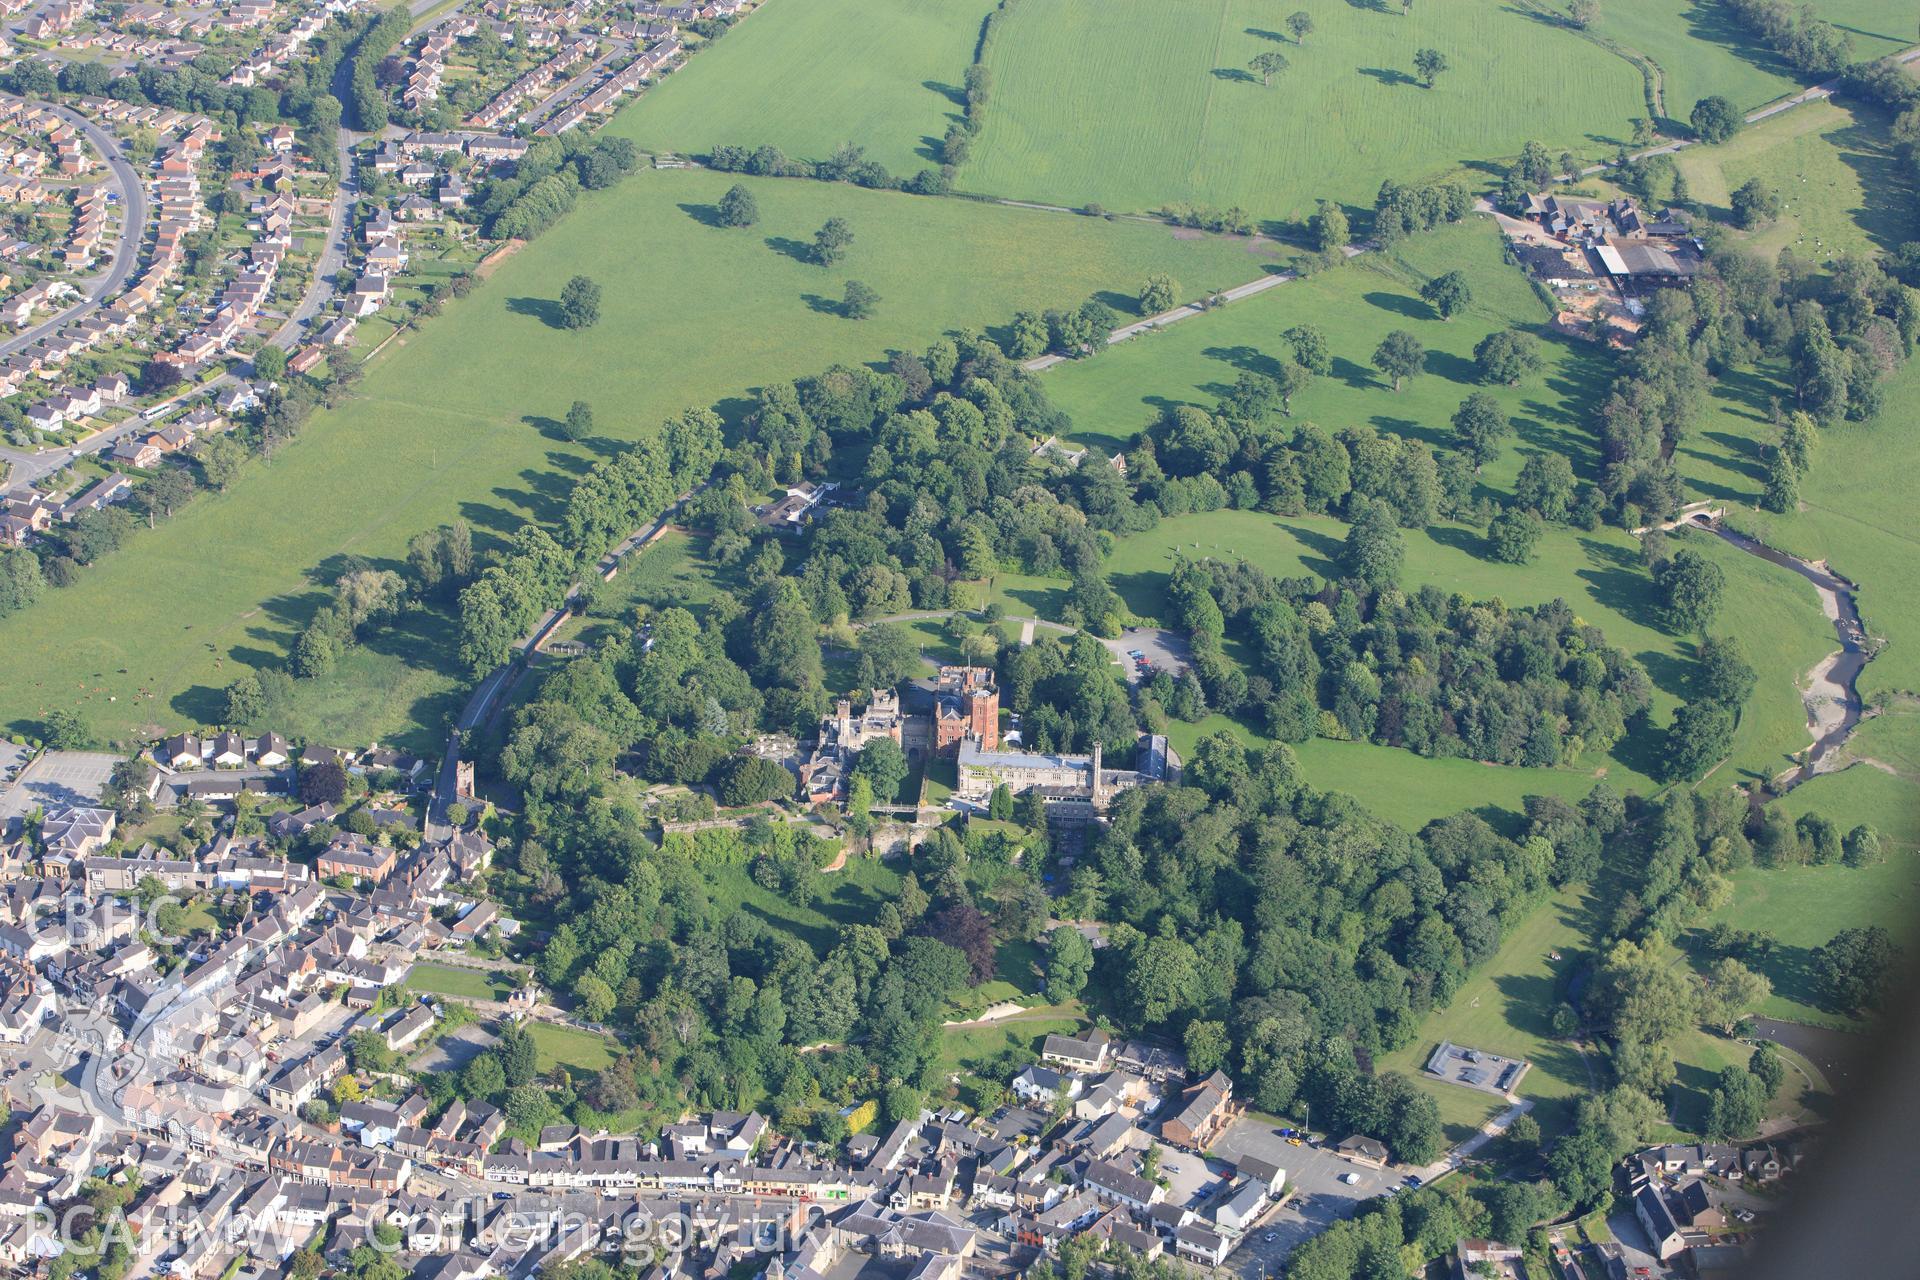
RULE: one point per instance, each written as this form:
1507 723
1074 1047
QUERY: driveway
1164 650
1316 1197
56 780
1635 1248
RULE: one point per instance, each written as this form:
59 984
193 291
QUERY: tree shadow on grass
1399 304
824 306
1357 376
1246 358
1389 76
1623 591
1445 364
545 310
1125 304
1325 546
951 92
1236 75
1643 747
707 215
798 250
1264 34
200 703
488 519
1464 540
1435 438
551 428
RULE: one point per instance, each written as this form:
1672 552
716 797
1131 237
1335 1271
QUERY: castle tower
983 716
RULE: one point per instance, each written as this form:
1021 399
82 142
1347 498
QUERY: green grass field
672 573
457 419
809 76
964 1048
1701 51
1134 104
1507 1008
1843 183
848 896
458 982
580 1052
1597 573
1121 392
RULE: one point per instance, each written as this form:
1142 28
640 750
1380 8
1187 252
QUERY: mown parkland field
460 422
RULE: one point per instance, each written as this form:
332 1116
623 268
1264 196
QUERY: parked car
1350 1178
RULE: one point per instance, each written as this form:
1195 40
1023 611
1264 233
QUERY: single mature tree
1329 230
1690 587
1862 847
1755 204
1447 294
1733 992
884 766
1735 1106
1715 119
1480 424
831 240
1157 294
1782 491
1399 356
1725 675
1301 25
578 424
1429 63
323 783
1699 738
1268 65
579 303
1069 961
1583 13
1373 551
1513 535
738 208
1310 350
860 300
1506 356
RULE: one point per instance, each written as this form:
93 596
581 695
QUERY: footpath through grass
458 420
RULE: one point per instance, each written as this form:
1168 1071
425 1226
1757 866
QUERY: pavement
55 780
1165 651
133 222
1316 1196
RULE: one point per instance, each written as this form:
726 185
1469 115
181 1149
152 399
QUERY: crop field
1843 183
1135 104
809 75
458 419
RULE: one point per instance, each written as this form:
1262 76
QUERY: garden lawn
965 1048
458 420
458 982
1507 1008
1135 104
809 75
851 895
1843 184
581 1052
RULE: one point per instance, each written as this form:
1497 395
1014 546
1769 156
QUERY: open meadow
1135 104
459 420
809 75
1842 182
1700 50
